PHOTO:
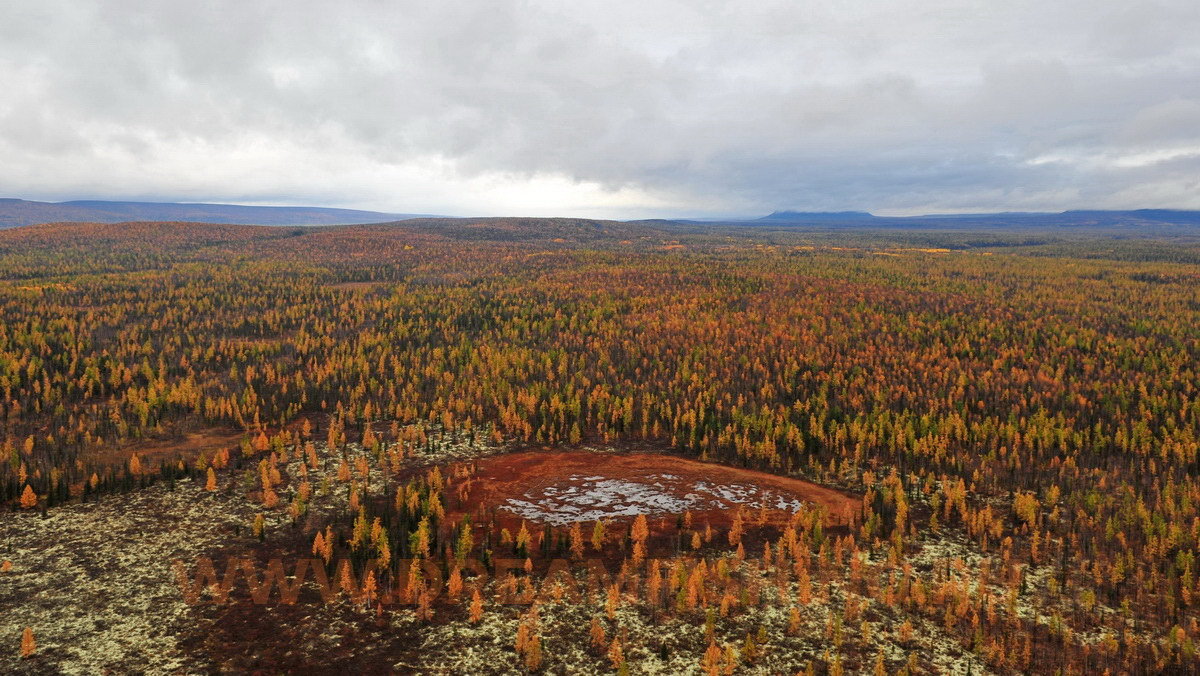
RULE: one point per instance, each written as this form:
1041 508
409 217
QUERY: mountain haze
18 212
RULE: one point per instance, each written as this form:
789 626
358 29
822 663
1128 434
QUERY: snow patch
590 498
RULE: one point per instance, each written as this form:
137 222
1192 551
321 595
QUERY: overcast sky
614 108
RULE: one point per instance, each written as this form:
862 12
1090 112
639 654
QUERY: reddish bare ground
560 487
188 446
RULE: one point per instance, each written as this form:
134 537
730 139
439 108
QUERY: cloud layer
616 108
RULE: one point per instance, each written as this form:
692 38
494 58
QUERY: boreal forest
564 446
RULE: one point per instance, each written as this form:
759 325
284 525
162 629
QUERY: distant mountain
1136 218
1174 216
817 216
17 212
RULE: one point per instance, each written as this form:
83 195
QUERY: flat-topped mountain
1075 218
817 216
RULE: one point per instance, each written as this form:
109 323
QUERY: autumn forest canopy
1012 415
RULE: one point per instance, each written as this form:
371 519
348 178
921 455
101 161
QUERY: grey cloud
665 107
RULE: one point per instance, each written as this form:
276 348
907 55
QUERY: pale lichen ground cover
95 581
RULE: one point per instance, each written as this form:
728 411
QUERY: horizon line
841 214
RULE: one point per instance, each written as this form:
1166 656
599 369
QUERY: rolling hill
18 212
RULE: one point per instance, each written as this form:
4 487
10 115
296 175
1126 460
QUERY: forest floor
97 581
186 444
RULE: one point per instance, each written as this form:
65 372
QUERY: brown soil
562 486
187 446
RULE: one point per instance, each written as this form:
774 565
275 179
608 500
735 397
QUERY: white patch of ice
589 498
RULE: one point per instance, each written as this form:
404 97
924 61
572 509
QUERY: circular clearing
560 488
